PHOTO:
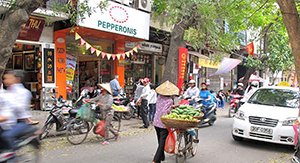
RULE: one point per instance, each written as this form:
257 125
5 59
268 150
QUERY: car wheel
236 138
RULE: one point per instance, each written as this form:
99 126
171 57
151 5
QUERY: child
152 103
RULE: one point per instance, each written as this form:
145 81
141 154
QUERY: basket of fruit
120 108
182 117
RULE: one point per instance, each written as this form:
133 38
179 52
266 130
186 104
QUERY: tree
210 24
290 15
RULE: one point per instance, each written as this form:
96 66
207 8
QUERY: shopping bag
86 113
100 128
170 142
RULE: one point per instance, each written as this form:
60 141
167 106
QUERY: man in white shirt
17 100
144 98
192 92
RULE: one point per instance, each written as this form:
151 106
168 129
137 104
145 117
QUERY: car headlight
289 122
240 115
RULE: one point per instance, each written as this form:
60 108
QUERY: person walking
152 103
166 92
144 98
221 97
115 86
137 94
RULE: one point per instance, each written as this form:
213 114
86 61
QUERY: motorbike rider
251 90
207 98
239 90
15 117
104 101
192 92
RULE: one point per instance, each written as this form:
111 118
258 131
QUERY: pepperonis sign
117 18
182 61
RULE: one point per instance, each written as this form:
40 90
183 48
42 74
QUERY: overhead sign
145 46
49 73
32 30
117 18
208 63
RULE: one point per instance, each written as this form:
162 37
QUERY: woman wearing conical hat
105 101
166 92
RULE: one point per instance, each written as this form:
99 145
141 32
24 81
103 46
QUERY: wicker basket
179 124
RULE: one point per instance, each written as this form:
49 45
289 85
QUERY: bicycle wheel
46 130
77 131
180 148
195 141
116 122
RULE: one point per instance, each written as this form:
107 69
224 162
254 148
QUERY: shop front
33 53
94 51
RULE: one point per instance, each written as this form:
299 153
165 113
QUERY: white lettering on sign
146 46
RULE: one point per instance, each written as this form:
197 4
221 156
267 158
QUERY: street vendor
104 101
166 92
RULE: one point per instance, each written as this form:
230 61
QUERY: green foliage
254 63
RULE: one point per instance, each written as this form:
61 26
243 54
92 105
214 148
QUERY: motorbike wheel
46 130
77 131
212 120
231 112
28 153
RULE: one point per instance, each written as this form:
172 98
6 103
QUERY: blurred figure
115 86
192 92
17 119
137 94
221 96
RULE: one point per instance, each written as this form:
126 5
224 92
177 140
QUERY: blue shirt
205 94
115 86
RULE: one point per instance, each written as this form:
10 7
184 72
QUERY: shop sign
32 30
182 61
117 18
49 75
208 63
146 46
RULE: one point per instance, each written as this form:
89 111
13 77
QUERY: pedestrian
221 97
115 86
152 103
144 98
166 92
104 101
137 94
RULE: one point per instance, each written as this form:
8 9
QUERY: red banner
32 30
182 61
250 48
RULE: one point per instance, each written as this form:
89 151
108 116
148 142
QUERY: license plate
262 130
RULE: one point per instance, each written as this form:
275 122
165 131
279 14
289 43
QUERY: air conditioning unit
124 2
144 5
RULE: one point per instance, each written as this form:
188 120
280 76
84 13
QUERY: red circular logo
118 14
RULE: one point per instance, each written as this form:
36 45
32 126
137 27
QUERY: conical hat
167 89
106 86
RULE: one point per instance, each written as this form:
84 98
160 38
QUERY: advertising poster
70 72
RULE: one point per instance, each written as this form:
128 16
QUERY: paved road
216 146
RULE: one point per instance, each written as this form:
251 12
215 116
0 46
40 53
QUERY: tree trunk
10 26
247 76
171 69
292 24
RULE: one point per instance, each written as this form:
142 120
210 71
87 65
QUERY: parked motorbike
27 150
122 99
234 104
210 112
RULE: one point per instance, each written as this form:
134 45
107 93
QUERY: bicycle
80 128
186 144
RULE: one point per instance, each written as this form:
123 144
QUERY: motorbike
210 112
234 104
27 149
62 113
123 100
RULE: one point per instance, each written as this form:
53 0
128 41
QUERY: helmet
241 84
255 83
192 81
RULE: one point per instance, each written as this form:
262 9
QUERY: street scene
149 81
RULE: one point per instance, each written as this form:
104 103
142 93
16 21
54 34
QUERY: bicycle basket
86 113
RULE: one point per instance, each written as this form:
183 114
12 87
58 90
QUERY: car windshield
275 97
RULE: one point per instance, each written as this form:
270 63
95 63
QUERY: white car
268 116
